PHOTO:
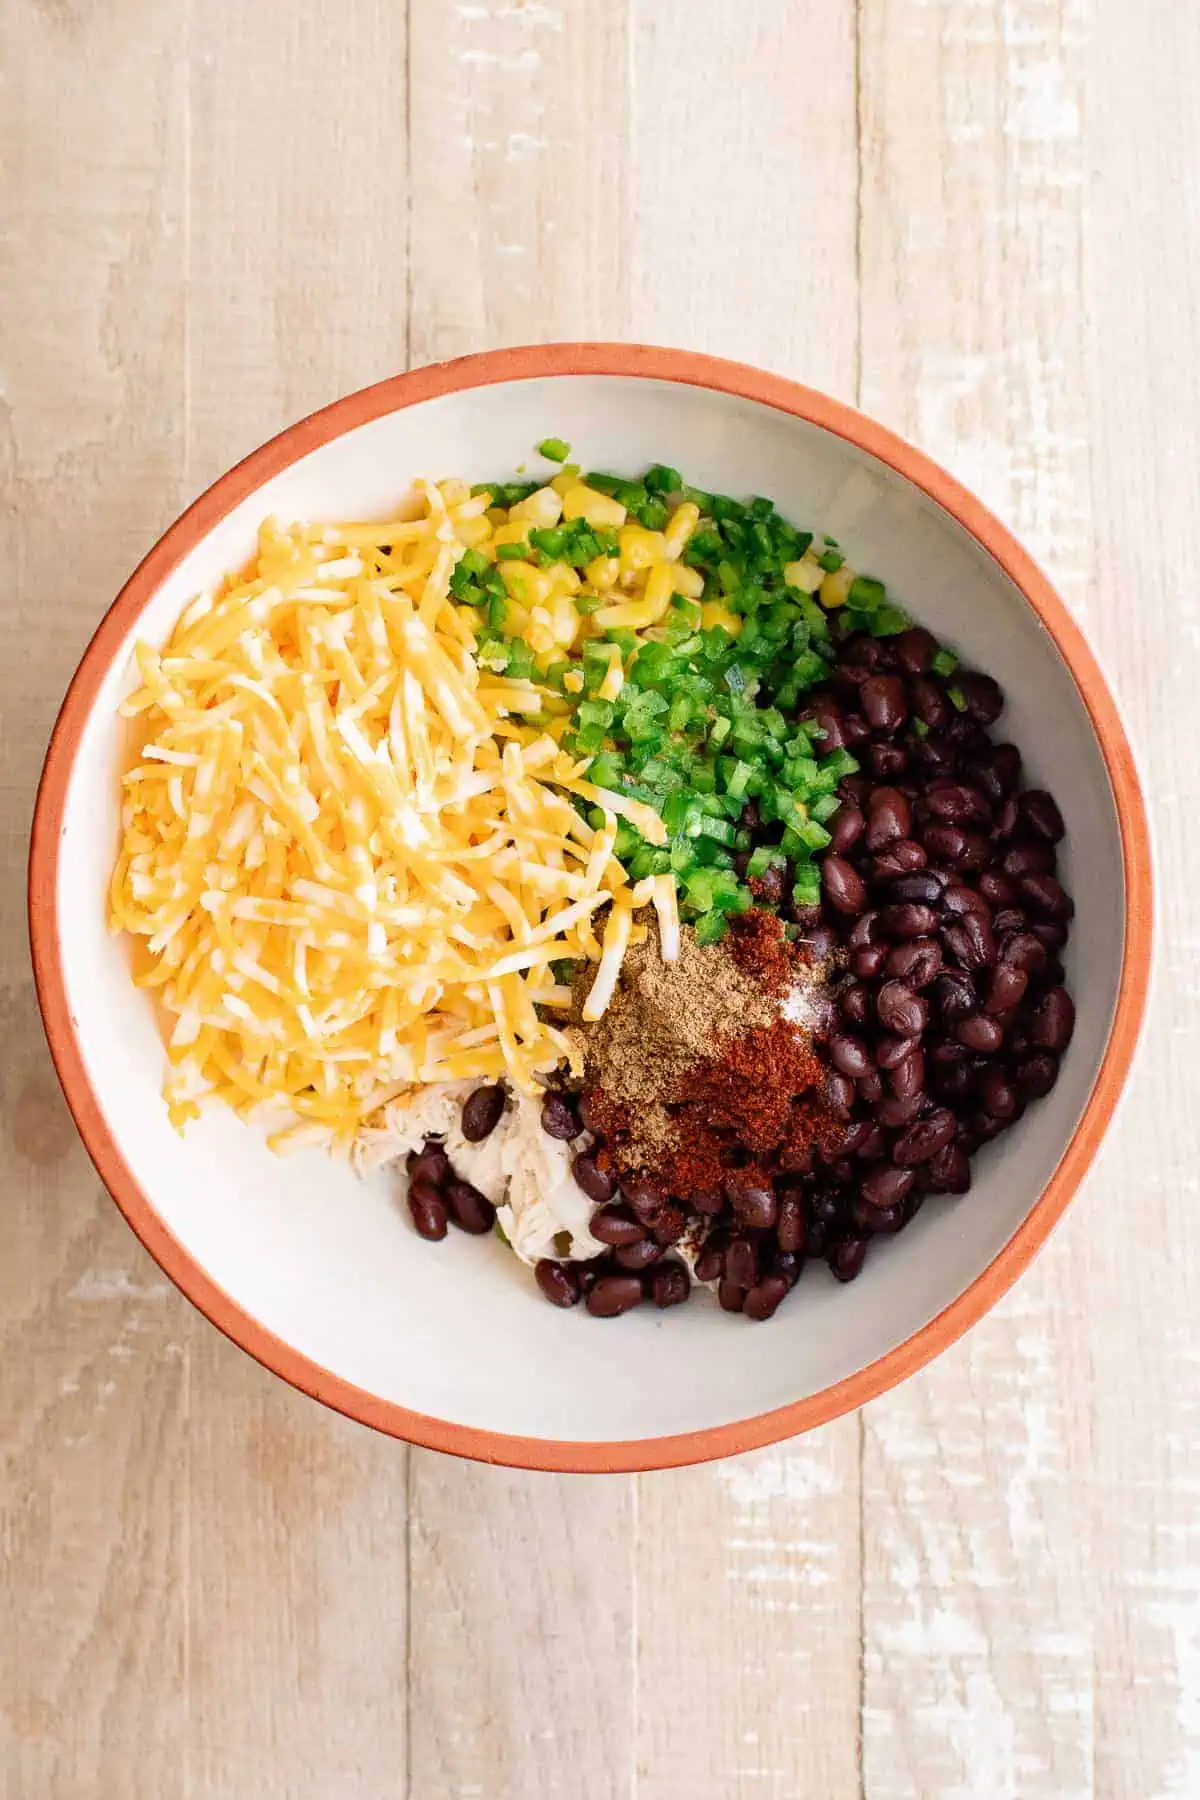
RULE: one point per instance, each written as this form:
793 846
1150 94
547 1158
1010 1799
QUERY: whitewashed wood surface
979 218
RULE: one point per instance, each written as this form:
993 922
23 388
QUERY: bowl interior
328 1263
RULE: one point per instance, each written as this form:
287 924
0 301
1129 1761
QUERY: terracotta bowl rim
648 363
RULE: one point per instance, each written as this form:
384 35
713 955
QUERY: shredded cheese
348 862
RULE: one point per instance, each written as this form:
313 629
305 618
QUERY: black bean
954 995
741 1262
887 1185
845 828
429 1164
597 1183
470 1210
948 842
820 943
670 1284
558 1282
849 1055
843 885
481 1113
884 702
959 899
906 919
916 961
915 649
891 1050
612 1295
929 703
789 1230
1006 819
900 1010
854 1003
908 854
949 1172
763 1299
956 803
1047 896
924 1139
867 963
870 1088
996 888
559 1118
711 1259
643 1198
846 1259
755 1208
887 761
979 1032
1008 985
984 697
730 1297
587 1114
709 1200
894 1113
788 1264
1008 920
1051 935
428 1210
839 1094
1005 761
1053 1021
908 1076
870 1146
612 1226
997 1095
889 817
1024 951
1040 814
1032 856
970 941
828 718
919 886
637 1256
1036 1075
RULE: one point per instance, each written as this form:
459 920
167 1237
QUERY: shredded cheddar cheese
347 854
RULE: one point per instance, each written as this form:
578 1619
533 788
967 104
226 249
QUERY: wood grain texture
296 1519
1142 329
747 1573
92 1381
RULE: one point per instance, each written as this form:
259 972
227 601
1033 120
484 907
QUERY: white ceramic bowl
319 1275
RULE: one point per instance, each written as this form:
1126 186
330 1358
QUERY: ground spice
666 1017
694 1073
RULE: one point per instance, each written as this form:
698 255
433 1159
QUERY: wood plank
747 1573
521 1584
976 1614
297 1640
519 219
1142 270
91 1365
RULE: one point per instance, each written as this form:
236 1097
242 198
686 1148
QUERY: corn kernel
680 526
688 582
473 532
565 621
573 681
454 492
805 576
835 588
515 533
602 573
530 585
563 578
633 614
640 548
544 508
583 502
714 613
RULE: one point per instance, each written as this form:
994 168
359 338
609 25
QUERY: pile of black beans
944 918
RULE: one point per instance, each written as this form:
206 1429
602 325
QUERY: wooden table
979 219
